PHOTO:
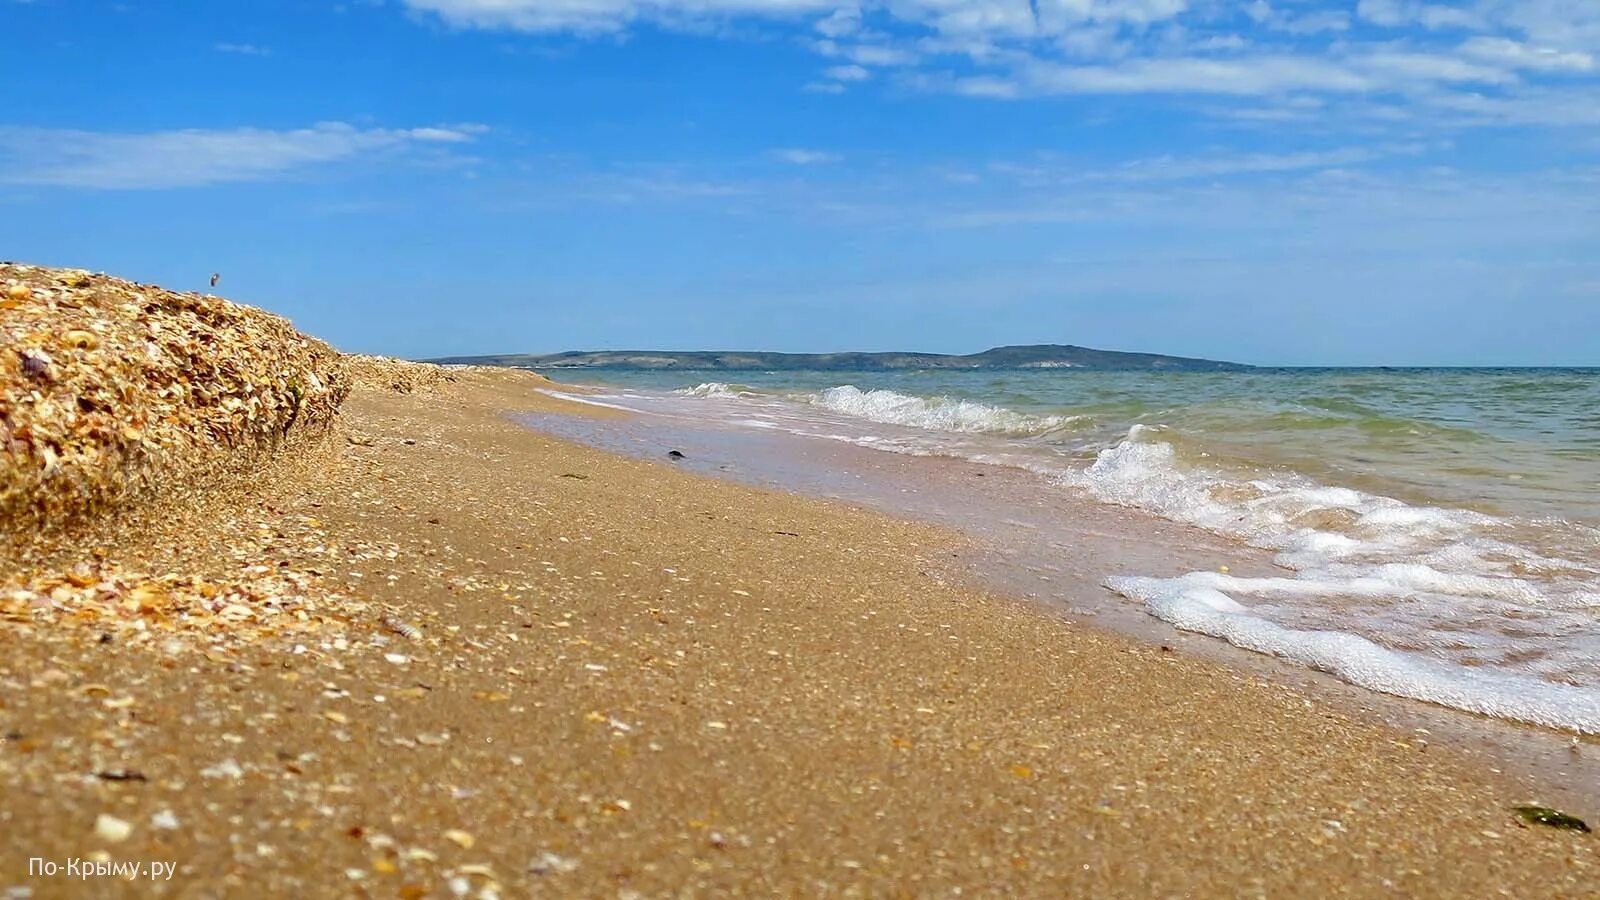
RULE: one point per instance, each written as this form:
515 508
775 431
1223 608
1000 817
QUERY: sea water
1436 531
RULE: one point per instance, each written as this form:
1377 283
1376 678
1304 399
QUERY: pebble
110 828
225 769
548 862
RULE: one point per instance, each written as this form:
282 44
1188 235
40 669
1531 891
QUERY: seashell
36 364
405 630
86 340
417 854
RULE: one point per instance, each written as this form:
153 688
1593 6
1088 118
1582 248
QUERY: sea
1432 533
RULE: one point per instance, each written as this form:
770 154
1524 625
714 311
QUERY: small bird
215 277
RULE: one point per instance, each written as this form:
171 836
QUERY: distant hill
1033 356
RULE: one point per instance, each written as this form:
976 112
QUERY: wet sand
633 680
1031 539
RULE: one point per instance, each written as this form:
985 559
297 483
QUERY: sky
1281 182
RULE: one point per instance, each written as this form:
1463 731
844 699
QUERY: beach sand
634 681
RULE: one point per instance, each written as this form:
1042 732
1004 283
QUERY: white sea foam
715 389
1144 471
1411 600
937 413
1198 602
578 398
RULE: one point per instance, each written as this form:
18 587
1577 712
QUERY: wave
1424 602
937 413
1198 602
716 389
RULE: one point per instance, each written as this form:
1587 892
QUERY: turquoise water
1436 531
1520 442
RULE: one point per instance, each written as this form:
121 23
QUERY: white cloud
1054 173
1220 43
1564 24
1398 70
833 18
840 23
451 134
800 156
1170 168
848 73
1518 55
1408 61
1400 13
1541 107
987 86
606 15
1315 21
1057 15
194 157
241 49
1264 74
868 54
1365 204
1239 76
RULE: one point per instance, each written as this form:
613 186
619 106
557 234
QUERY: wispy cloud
848 73
241 49
1245 186
1399 13
1296 22
1454 211
601 16
1423 55
1519 55
800 156
1171 168
195 157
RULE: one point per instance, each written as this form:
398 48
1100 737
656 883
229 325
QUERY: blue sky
1274 181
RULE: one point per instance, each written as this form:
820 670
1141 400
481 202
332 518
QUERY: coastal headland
307 624
1036 356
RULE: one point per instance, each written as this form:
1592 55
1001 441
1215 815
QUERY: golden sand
567 673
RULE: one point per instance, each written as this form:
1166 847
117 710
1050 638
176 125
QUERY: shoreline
1058 558
635 679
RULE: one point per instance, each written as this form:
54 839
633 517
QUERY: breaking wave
937 413
716 389
1435 604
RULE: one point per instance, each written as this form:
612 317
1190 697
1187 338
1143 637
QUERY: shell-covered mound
113 392
382 373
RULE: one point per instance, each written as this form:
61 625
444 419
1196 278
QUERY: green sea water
1522 442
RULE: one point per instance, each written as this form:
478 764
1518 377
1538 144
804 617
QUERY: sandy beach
537 667
634 449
